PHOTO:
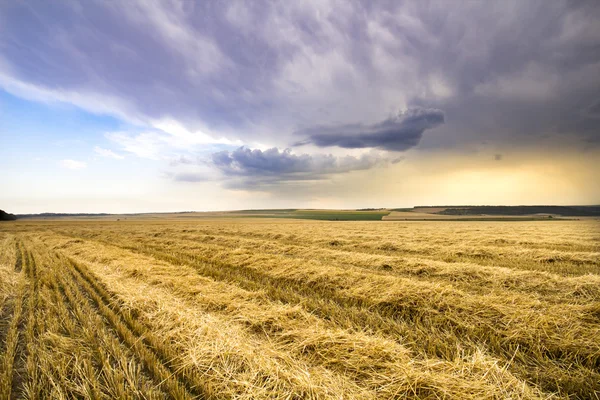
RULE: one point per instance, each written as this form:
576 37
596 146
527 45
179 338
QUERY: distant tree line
567 211
4 216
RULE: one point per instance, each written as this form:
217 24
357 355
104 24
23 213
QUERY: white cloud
72 164
181 137
169 135
107 153
89 100
144 145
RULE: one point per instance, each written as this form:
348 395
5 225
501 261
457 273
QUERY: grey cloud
181 160
258 71
249 168
189 177
593 110
397 133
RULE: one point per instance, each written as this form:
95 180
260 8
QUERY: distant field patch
326 215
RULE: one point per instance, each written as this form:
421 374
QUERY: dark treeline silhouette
567 211
4 216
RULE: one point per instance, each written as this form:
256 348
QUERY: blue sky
177 105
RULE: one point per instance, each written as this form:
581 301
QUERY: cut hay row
574 250
470 277
9 277
381 366
13 311
572 259
32 387
221 362
78 355
127 380
49 354
531 339
155 356
258 309
565 248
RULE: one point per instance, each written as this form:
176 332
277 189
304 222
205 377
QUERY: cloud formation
255 169
73 164
194 77
398 133
107 153
258 71
272 162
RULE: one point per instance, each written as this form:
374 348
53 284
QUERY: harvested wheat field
294 309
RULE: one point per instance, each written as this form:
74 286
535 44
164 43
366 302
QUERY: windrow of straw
259 332
537 335
250 309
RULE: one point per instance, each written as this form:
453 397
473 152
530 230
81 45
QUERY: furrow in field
498 250
19 257
220 373
240 260
8 281
382 365
454 255
121 371
437 320
56 358
11 373
67 357
568 237
32 388
468 277
142 343
105 366
70 333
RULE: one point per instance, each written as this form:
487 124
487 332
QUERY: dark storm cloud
397 133
593 110
255 169
286 165
520 75
514 73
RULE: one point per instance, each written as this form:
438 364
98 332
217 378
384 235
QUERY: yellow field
296 309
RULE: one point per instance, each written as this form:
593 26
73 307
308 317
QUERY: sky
178 105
